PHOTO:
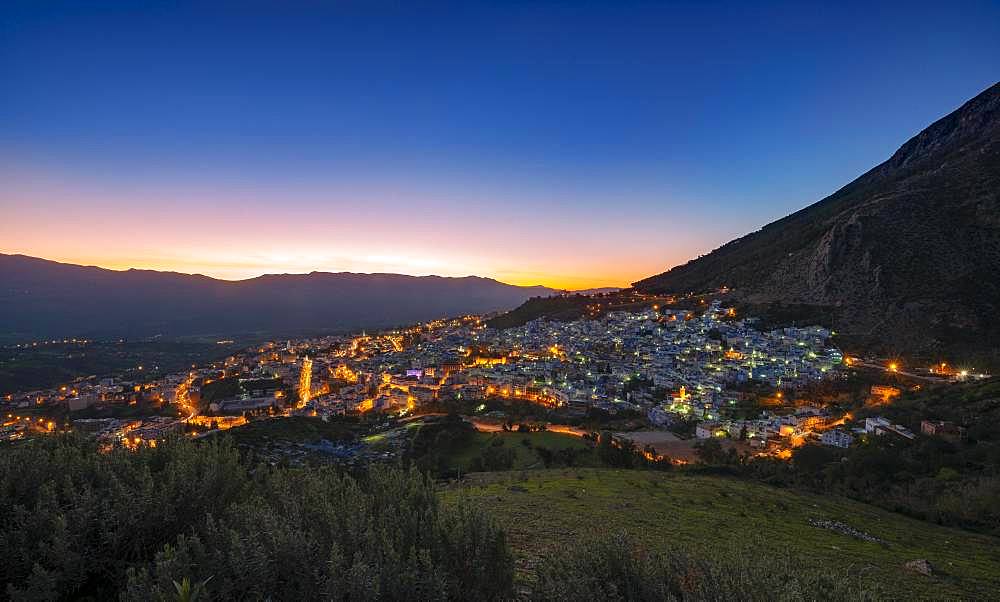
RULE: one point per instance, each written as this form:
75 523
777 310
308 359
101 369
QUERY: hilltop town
661 377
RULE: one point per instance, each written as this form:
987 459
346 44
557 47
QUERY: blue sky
576 143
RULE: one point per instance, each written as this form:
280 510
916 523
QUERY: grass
525 457
545 511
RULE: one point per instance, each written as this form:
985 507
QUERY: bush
616 569
79 523
494 457
308 535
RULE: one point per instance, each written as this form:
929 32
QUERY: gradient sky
572 144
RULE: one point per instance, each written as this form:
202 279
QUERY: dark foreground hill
40 298
907 254
546 512
200 519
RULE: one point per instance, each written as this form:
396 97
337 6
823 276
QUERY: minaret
305 381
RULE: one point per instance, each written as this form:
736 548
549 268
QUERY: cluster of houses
623 361
667 365
806 424
95 392
130 432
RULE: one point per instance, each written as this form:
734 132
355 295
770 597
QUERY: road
183 399
933 379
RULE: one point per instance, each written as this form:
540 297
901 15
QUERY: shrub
308 535
80 523
616 569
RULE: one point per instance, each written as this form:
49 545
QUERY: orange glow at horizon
235 233
228 271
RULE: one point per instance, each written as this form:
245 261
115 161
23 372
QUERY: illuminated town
683 375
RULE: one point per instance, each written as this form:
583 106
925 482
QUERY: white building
707 430
836 438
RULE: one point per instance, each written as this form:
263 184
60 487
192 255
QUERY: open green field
525 456
546 511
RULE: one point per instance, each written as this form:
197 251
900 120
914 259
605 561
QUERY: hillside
40 298
573 307
546 512
907 252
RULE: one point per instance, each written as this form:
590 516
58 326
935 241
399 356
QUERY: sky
570 144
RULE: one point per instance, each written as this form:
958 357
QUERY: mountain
41 298
908 254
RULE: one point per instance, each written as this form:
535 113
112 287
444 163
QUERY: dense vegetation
79 524
188 519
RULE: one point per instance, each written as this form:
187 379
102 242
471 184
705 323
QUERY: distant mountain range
906 256
41 298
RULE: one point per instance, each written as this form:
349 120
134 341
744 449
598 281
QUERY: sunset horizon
377 148
241 273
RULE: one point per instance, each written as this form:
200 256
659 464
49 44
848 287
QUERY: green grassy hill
525 449
547 511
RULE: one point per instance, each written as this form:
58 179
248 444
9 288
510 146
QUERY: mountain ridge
24 256
39 297
901 254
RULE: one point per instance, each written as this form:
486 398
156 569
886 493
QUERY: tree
497 458
710 451
191 519
812 458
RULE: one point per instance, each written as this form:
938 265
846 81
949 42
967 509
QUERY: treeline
82 524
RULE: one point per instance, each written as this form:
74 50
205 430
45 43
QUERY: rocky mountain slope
906 257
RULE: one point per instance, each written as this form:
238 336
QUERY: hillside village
690 373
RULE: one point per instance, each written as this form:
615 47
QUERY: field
524 456
549 510
672 446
